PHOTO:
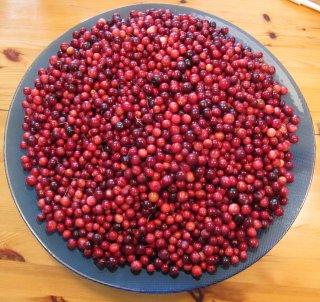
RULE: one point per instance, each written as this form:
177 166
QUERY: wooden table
290 272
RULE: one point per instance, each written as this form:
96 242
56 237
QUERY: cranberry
51 226
196 271
31 180
136 266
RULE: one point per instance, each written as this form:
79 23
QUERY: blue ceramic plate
25 198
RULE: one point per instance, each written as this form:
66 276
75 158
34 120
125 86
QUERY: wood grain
289 272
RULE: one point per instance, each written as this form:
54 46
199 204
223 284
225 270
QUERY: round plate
25 197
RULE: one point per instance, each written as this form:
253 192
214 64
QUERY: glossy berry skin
158 142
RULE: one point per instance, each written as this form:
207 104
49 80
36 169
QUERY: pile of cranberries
158 142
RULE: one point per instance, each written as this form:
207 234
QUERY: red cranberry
196 271
136 266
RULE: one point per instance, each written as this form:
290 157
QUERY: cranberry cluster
158 142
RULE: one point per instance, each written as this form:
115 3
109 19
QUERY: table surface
289 272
